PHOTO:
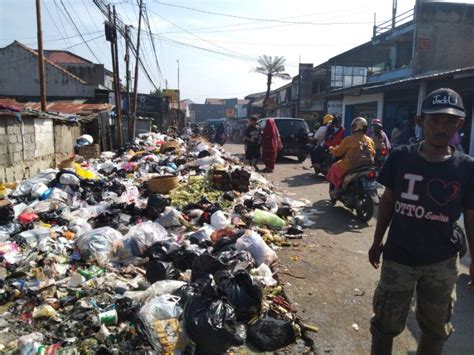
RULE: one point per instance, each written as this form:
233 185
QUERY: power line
79 32
147 21
90 40
261 19
203 39
60 16
54 22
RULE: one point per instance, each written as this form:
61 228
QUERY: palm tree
272 67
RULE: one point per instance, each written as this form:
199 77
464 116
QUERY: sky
217 42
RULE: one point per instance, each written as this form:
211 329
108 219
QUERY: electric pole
111 35
135 88
127 78
179 102
40 57
118 88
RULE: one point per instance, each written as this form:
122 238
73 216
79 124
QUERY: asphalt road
329 280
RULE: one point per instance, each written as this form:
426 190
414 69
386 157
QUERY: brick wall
35 144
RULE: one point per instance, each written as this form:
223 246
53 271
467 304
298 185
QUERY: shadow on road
305 179
287 160
334 219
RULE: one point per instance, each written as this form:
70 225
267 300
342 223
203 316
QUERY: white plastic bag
38 189
219 220
79 226
160 308
144 235
264 275
45 177
254 243
69 179
170 218
159 288
99 243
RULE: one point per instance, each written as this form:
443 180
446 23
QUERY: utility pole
135 88
179 101
118 104
394 13
40 56
127 75
111 36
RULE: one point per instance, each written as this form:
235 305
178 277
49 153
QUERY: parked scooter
358 192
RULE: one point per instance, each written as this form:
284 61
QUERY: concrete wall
444 37
90 73
19 77
30 146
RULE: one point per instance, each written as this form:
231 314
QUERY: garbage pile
164 246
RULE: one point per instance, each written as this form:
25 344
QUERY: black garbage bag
241 292
183 259
107 219
158 252
205 265
210 322
54 218
233 258
189 290
126 309
224 244
7 214
284 212
157 270
270 334
156 205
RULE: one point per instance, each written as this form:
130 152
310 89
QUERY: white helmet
359 124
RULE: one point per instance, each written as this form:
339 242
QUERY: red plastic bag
26 218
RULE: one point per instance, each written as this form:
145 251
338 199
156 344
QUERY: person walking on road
427 186
252 142
271 145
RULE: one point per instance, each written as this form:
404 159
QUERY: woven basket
162 184
169 146
91 151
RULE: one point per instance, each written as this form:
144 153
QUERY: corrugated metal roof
64 57
65 107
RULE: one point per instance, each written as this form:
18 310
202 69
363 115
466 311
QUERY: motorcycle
358 192
324 165
381 156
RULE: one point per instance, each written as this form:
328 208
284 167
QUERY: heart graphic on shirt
441 192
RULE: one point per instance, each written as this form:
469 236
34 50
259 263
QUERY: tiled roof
64 57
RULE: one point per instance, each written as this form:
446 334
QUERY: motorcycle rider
349 150
335 133
382 143
319 139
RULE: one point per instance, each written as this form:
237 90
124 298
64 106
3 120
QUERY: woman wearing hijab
271 145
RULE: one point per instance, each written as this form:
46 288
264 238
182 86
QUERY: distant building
213 109
68 76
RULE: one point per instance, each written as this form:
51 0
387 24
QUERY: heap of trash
164 246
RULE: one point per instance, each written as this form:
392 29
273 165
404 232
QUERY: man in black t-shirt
427 187
252 142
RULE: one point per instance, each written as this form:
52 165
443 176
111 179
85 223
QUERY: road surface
329 280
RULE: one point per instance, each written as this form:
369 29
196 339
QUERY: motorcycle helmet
359 124
327 118
377 122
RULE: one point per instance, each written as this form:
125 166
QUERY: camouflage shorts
435 296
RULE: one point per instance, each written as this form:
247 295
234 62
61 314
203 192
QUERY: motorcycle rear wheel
366 208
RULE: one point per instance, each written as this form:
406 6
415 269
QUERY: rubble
165 245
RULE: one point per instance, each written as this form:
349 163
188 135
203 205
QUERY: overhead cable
79 32
261 19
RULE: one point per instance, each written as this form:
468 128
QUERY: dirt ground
329 280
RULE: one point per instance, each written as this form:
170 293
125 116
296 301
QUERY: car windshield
291 126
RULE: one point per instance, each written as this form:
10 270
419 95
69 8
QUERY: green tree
271 67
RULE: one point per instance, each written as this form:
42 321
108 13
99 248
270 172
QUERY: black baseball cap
445 101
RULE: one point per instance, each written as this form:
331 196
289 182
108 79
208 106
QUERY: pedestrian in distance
271 145
252 139
427 186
